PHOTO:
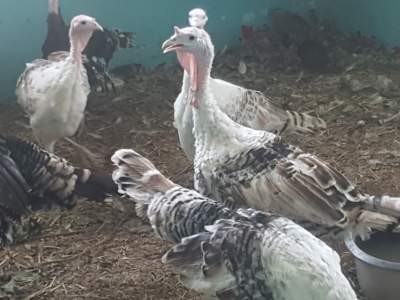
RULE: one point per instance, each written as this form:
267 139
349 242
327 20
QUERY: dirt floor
101 251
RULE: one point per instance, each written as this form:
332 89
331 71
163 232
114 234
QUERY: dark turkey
99 51
31 179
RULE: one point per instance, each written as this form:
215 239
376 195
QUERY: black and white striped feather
231 254
278 177
31 178
253 109
243 167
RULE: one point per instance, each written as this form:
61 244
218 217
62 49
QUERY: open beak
170 45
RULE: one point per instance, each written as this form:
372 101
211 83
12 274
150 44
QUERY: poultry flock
252 226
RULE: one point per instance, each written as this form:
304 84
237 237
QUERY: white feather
54 95
54 92
301 267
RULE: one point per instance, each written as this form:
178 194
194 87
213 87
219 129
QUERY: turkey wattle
98 53
241 166
31 178
245 106
231 254
54 92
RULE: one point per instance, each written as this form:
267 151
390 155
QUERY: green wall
23 24
23 27
371 17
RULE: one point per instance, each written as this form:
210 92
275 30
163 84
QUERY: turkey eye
83 22
191 37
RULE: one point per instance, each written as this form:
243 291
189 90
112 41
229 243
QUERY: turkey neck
183 108
76 51
212 128
187 94
78 44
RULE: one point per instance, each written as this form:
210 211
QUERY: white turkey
54 92
241 166
245 106
31 179
231 254
99 51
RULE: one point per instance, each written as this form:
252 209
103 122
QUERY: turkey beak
98 26
171 45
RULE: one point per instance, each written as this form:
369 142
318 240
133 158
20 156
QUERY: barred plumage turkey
98 53
247 107
241 166
31 179
230 254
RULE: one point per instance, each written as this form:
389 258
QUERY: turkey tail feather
384 204
14 190
52 179
259 112
125 39
31 178
302 123
136 176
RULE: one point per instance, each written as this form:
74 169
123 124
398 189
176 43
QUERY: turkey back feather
253 109
244 259
277 177
57 35
31 178
181 212
226 254
52 179
226 257
14 190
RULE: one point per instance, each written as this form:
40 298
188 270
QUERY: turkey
31 178
99 51
231 254
53 93
241 166
247 107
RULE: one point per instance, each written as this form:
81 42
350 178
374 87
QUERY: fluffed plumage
98 53
54 92
245 167
31 178
231 254
247 107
